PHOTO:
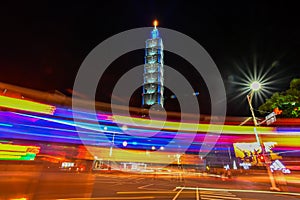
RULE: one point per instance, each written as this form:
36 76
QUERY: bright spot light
155 23
153 147
124 143
255 86
124 128
162 148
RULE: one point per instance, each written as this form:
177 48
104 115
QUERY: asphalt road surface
63 185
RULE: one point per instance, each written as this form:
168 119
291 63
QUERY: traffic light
277 111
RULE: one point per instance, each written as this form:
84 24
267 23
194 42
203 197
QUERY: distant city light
196 93
173 96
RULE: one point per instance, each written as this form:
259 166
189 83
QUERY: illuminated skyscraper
153 87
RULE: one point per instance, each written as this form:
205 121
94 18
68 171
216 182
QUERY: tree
288 101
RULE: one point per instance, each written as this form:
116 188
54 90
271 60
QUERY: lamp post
256 86
112 144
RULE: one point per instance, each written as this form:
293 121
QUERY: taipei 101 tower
153 87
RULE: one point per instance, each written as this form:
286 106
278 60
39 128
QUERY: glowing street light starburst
259 79
259 84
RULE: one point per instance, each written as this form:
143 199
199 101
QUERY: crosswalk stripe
178 194
197 194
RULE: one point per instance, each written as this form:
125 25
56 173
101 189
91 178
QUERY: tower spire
155 23
154 32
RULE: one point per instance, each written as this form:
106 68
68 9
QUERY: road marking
148 192
218 197
141 187
109 198
211 198
178 193
217 193
111 182
249 199
235 190
197 194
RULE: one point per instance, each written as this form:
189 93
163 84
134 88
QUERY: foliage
288 101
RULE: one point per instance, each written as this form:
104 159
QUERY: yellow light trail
191 127
25 105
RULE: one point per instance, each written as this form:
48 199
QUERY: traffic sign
270 118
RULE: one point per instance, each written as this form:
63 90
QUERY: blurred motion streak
25 105
18 152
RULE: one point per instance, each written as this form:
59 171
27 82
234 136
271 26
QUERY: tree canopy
287 101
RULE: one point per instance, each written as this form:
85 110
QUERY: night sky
43 44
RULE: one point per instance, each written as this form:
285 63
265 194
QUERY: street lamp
112 142
255 87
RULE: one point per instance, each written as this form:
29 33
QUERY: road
62 185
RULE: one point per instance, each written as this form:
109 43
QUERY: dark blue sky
44 43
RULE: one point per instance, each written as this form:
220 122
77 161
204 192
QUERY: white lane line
197 194
178 193
206 198
219 197
235 190
218 193
110 198
148 192
144 186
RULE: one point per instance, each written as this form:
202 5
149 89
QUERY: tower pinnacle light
155 23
